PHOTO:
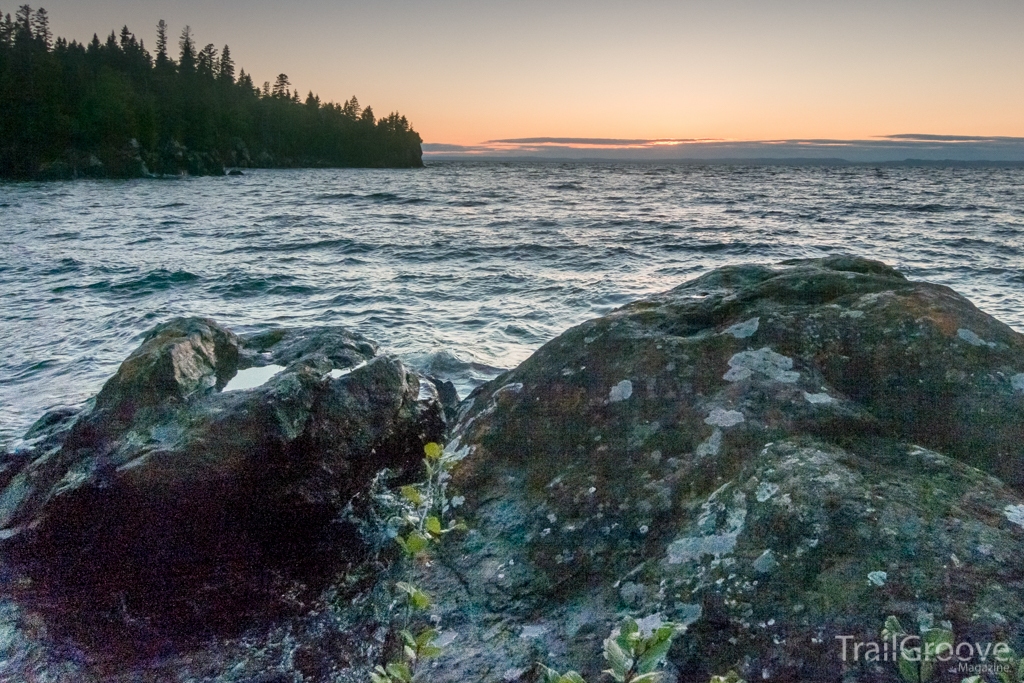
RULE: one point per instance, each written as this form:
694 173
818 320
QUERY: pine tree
62 101
206 62
245 82
6 30
161 43
351 108
187 59
41 28
23 24
226 67
281 86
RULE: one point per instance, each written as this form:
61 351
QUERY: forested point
113 109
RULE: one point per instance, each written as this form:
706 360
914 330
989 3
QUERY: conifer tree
23 19
6 30
187 58
161 43
62 102
41 28
206 62
281 86
226 67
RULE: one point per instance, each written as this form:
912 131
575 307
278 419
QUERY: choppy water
460 268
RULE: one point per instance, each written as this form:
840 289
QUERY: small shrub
414 519
632 657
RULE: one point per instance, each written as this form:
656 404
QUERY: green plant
552 676
415 648
632 656
731 677
1014 668
414 520
427 503
917 664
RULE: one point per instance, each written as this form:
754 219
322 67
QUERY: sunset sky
468 72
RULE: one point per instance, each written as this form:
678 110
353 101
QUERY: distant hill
113 109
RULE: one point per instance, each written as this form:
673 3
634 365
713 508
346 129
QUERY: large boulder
210 464
774 456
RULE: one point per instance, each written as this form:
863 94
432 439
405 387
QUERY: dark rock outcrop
773 456
776 456
171 485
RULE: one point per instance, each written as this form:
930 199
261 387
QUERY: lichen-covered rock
775 456
181 488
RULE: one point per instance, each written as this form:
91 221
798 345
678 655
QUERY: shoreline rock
745 453
774 456
187 501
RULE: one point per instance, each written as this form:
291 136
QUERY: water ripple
462 268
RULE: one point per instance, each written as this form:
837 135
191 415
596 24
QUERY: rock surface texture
774 456
173 494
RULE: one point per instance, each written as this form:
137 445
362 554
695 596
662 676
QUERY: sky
644 74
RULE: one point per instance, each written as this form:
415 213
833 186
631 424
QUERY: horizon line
896 147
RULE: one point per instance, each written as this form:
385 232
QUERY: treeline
113 109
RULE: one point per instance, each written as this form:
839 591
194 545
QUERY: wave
343 245
239 286
155 280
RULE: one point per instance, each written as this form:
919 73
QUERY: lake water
461 268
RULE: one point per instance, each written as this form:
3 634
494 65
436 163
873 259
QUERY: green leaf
549 674
935 637
616 658
426 637
420 600
433 525
571 677
972 679
629 627
412 494
908 669
414 544
407 637
654 655
731 677
433 450
650 677
417 598
429 651
892 627
400 671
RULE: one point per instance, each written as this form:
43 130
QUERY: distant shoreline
428 158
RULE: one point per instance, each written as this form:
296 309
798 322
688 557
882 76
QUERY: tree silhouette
226 67
110 108
187 57
281 86
161 43
41 28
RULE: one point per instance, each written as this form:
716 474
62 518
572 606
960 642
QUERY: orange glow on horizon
665 72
